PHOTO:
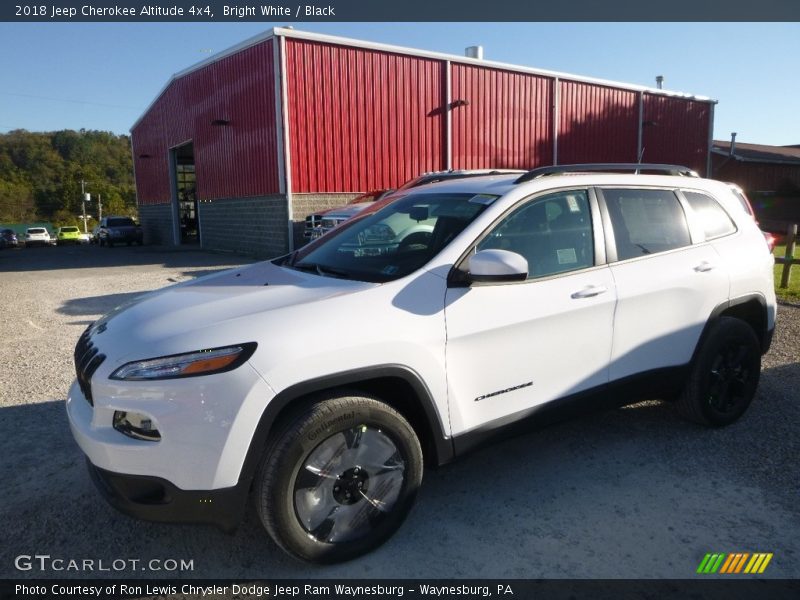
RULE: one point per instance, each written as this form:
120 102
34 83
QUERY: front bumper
155 499
206 425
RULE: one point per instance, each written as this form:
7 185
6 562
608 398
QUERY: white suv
319 383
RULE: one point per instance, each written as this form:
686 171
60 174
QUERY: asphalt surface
626 493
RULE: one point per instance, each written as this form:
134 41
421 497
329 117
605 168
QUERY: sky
103 75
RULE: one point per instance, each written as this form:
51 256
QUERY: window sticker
572 203
567 256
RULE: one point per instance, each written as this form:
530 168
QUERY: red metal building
237 150
758 167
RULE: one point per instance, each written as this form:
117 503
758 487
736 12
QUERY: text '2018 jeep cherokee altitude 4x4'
509 295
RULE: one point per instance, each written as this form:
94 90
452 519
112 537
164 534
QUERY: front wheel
338 479
724 375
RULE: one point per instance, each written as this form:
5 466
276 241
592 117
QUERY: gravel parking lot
627 493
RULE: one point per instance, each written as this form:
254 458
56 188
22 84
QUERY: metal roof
343 41
759 153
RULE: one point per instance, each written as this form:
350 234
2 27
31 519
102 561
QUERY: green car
68 235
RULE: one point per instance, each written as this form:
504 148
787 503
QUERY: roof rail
590 167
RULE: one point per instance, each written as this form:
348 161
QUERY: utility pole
83 205
99 207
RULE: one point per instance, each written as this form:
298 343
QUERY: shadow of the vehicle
607 495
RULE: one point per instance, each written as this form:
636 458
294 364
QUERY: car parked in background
321 223
772 237
436 176
118 230
8 239
67 235
93 239
37 236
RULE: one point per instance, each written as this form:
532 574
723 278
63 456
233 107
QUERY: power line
71 101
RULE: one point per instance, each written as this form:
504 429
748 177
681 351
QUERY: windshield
393 241
120 223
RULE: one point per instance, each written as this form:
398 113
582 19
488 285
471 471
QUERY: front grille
87 359
312 222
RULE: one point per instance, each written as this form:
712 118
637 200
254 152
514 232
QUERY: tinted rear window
120 223
36 230
646 221
69 229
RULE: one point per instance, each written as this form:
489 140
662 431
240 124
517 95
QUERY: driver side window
553 233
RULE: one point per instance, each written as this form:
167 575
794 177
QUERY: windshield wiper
321 270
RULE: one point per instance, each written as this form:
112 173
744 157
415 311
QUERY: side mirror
497 266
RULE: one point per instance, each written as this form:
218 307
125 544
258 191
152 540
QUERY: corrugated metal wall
361 119
676 130
506 121
757 177
235 160
597 124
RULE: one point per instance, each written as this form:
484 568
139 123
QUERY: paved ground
630 493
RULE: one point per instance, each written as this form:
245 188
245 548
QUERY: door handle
590 291
704 267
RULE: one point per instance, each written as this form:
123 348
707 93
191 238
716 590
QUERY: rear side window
646 221
712 217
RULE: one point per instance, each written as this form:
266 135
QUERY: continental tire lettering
313 435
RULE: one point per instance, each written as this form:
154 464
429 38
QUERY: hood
212 311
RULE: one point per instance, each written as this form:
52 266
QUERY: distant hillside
40 175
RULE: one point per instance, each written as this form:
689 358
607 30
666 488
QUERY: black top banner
290 11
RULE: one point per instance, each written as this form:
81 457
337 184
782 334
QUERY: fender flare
442 445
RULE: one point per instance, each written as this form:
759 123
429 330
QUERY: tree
41 173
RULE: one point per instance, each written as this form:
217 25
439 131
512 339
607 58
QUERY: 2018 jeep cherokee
509 296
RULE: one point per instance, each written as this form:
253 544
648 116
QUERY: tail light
770 239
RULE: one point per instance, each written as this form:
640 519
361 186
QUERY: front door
511 347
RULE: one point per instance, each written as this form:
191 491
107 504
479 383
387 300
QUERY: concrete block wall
156 222
253 226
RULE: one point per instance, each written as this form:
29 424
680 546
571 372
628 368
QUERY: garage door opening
186 194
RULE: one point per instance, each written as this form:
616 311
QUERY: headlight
191 364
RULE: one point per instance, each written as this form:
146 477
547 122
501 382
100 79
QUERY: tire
724 375
367 449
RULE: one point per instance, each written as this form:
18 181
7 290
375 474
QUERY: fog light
136 425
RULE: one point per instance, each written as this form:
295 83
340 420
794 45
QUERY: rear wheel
724 376
339 479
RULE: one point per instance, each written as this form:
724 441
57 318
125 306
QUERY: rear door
667 286
513 346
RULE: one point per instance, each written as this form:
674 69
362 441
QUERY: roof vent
474 52
660 81
733 144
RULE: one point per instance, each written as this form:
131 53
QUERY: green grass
792 293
